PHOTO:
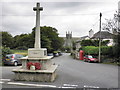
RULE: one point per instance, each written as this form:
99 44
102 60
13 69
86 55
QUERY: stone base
45 62
36 75
37 52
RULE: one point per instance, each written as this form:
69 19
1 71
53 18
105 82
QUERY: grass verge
23 52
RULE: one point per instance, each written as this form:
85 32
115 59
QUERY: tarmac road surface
71 73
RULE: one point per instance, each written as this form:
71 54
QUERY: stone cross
37 29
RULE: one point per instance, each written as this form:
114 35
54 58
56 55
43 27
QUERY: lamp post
100 39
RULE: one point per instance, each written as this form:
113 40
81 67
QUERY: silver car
12 59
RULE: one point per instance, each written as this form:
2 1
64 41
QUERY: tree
111 25
50 38
116 48
46 43
22 41
86 43
7 40
57 43
105 42
52 35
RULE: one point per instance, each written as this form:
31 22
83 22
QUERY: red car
89 58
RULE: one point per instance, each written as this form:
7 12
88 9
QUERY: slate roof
84 37
104 35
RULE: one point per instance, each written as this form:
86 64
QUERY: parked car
50 54
55 54
60 54
12 59
90 58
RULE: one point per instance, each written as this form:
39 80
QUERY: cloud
18 24
78 17
17 9
59 0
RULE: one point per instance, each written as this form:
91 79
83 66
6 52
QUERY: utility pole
100 39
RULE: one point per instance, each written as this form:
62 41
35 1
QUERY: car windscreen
90 57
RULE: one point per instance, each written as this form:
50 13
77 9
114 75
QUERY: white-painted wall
111 43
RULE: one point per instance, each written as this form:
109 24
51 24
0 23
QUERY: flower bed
36 64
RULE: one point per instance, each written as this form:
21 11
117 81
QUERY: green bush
105 50
90 50
5 51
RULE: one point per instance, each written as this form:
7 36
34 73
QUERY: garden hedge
105 50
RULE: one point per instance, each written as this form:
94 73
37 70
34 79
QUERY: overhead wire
78 14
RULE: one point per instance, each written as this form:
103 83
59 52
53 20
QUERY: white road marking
70 85
67 87
1 82
86 86
5 80
36 85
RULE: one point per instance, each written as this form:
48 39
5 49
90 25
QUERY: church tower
68 40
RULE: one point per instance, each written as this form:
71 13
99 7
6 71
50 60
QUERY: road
71 73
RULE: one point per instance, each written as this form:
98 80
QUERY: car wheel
15 63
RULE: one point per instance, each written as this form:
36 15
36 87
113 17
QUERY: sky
76 16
